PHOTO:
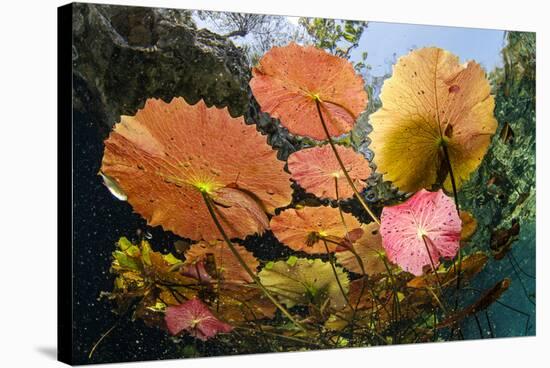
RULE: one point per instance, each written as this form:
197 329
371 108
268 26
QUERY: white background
28 181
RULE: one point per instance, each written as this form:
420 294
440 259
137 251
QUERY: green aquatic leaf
123 243
142 273
125 261
292 260
158 307
303 281
170 258
146 253
133 251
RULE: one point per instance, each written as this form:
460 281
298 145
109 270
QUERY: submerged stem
339 159
101 339
331 261
284 337
210 207
351 249
434 270
396 307
458 267
451 175
357 257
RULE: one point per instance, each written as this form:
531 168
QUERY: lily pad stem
339 159
331 261
451 175
457 265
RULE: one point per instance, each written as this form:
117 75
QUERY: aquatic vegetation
336 280
301 281
218 258
143 278
194 317
290 80
317 171
312 229
470 266
420 231
168 154
369 249
482 303
435 113
288 85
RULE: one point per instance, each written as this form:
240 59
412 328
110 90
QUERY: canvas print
249 183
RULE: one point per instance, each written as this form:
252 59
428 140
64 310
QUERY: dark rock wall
128 54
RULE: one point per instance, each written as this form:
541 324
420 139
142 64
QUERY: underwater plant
303 281
420 231
336 281
317 171
368 247
435 123
194 317
167 156
291 81
161 160
224 265
309 228
301 85
470 266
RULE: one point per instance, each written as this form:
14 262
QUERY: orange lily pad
317 168
470 266
289 81
166 156
307 229
432 101
369 248
241 302
221 260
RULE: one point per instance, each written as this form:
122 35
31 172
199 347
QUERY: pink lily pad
194 317
427 220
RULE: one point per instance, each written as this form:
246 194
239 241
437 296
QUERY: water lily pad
169 154
218 257
427 220
194 317
306 281
470 266
308 228
289 81
316 169
432 101
370 250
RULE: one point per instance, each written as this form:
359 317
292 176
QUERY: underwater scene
248 183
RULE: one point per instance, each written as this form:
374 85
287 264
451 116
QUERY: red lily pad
194 317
